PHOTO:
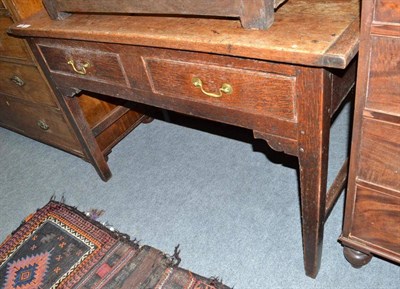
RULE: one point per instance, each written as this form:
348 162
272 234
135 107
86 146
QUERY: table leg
313 147
90 146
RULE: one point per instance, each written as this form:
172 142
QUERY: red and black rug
61 247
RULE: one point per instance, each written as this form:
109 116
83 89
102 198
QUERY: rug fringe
217 282
174 260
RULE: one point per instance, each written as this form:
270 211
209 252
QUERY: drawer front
379 161
244 90
26 82
387 11
376 219
85 65
384 84
11 46
41 123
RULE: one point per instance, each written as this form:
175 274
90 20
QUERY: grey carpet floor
229 201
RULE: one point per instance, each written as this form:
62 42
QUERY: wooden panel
104 67
10 46
119 129
257 14
252 91
384 83
342 82
377 219
26 82
23 9
387 11
32 120
379 161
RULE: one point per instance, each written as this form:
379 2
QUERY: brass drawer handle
17 80
225 88
43 125
82 69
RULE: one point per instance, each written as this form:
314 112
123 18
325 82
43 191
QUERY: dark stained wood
26 82
174 78
377 216
106 122
313 144
372 212
384 75
286 81
254 14
336 188
380 150
356 258
25 117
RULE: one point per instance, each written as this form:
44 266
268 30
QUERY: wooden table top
322 33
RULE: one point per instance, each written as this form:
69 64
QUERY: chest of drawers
372 217
29 106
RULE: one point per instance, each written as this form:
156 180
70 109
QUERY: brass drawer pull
43 125
17 80
82 69
225 88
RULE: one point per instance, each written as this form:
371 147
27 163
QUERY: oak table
285 83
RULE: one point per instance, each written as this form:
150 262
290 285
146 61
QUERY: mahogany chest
372 216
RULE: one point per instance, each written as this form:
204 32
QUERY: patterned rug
60 247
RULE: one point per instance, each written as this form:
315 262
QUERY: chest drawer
42 123
387 11
384 82
26 82
376 219
379 160
10 46
231 88
83 64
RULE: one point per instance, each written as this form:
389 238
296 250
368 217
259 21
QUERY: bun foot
147 120
356 258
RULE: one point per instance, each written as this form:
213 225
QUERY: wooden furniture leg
93 153
91 147
313 146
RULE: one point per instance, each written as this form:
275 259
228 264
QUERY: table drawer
387 11
24 81
85 64
379 161
384 83
39 122
254 92
376 219
10 46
